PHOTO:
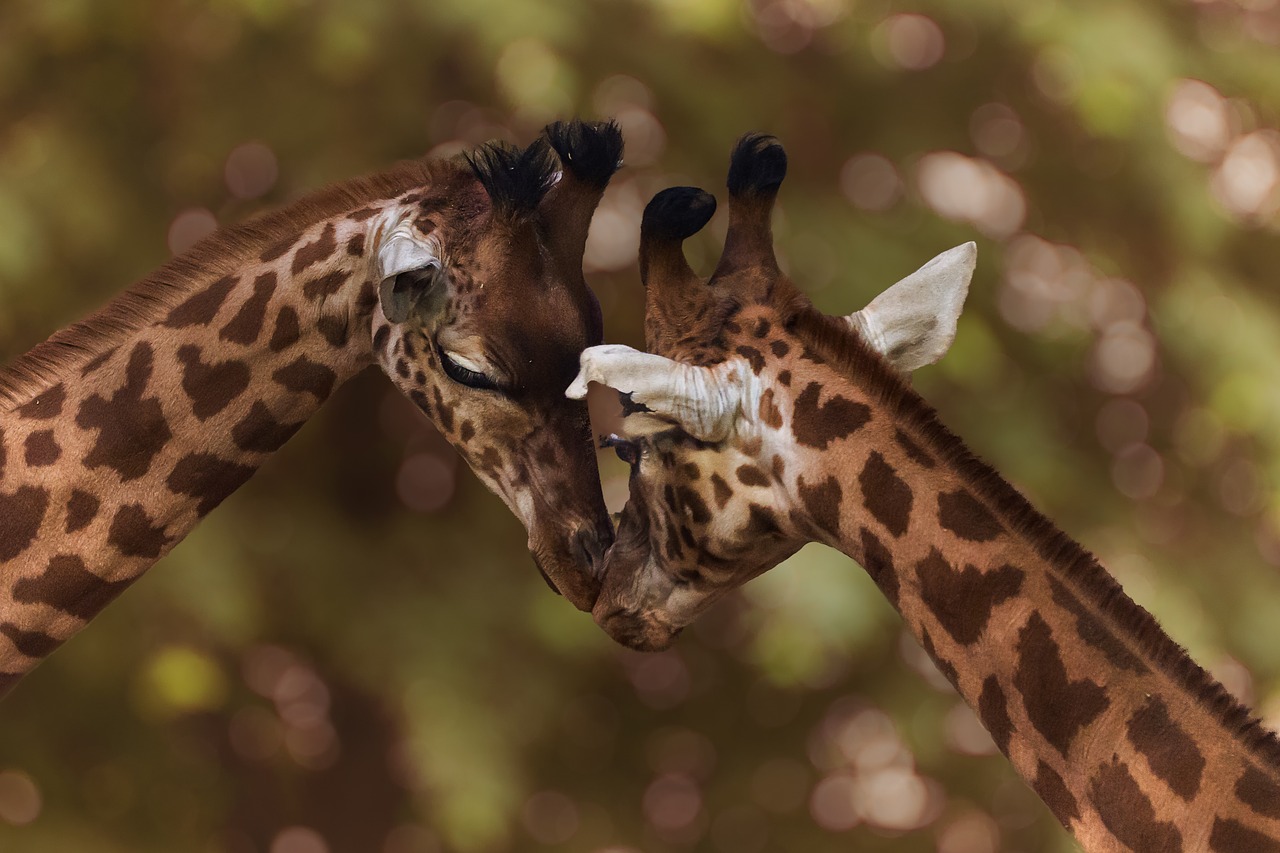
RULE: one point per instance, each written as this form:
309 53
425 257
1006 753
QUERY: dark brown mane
831 339
218 254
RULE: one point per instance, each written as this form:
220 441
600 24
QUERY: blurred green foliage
321 667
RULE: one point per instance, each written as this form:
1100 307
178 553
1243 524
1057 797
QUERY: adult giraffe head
701 412
482 313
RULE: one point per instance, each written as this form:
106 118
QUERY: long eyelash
464 375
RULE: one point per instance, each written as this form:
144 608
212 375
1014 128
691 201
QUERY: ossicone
677 213
516 179
590 151
758 165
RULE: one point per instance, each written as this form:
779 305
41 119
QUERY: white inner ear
404 249
913 323
704 401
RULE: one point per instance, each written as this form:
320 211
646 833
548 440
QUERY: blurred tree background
355 653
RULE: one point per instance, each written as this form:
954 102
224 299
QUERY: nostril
591 548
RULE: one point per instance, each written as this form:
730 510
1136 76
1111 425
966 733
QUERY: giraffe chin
574 580
637 630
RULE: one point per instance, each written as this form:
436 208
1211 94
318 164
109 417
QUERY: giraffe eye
465 375
628 451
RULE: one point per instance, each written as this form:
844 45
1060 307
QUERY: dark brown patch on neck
1230 836
287 330
1259 792
260 432
1055 794
211 387
817 425
202 307
1093 632
962 601
993 710
82 508
822 504
1057 707
134 535
208 478
21 514
131 428
45 406
304 376
1127 811
246 325
1171 752
67 585
315 252
885 495
878 563
962 514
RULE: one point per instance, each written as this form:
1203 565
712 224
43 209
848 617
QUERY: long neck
112 449
1124 737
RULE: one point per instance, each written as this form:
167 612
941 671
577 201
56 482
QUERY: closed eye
465 374
628 451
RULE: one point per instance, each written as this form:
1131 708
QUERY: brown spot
963 601
444 413
208 478
211 387
784 378
770 414
761 522
944 666
246 325
818 425
694 505
334 330
1092 630
260 432
21 514
33 644
362 214
913 450
42 449
1259 792
305 376
754 356
1231 836
761 327
1053 791
691 471
325 285
878 563
97 361
1128 813
355 246
993 710
822 504
1171 752
721 490
133 534
885 496
962 514
67 585
750 475
466 431
278 250
200 309
315 252
82 508
287 331
402 368
778 467
780 348
47 405
131 428
1057 706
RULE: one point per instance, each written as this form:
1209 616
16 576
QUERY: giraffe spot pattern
753 356
822 504
770 414
279 250
207 478
993 710
304 376
1259 792
46 405
750 475
134 535
817 425
3 453
41 449
444 414
325 285
362 214
200 308
210 387
885 495
1169 750
1231 836
962 601
316 251
1092 630
467 431
33 644
246 325
1057 707
962 514
21 514
780 349
914 452
67 585
287 331
1127 812
1053 791
761 522
355 246
260 432
721 492
334 330
693 504
784 378
82 508
131 428
97 361
944 666
878 563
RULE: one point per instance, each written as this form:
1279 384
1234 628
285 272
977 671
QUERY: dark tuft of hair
758 165
677 213
591 151
516 179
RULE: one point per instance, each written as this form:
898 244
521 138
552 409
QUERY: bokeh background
355 652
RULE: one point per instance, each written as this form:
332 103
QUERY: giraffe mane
215 255
829 338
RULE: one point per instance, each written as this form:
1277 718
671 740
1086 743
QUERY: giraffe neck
121 433
1124 737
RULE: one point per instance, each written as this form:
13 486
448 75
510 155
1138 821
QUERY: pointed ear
704 401
408 270
913 323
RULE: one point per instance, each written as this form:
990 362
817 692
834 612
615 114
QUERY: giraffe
462 279
757 424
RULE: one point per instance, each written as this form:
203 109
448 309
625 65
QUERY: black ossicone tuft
757 166
516 179
677 213
592 151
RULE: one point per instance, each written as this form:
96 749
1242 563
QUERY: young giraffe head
482 312
721 485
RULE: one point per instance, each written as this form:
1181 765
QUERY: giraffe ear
408 270
659 393
913 323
